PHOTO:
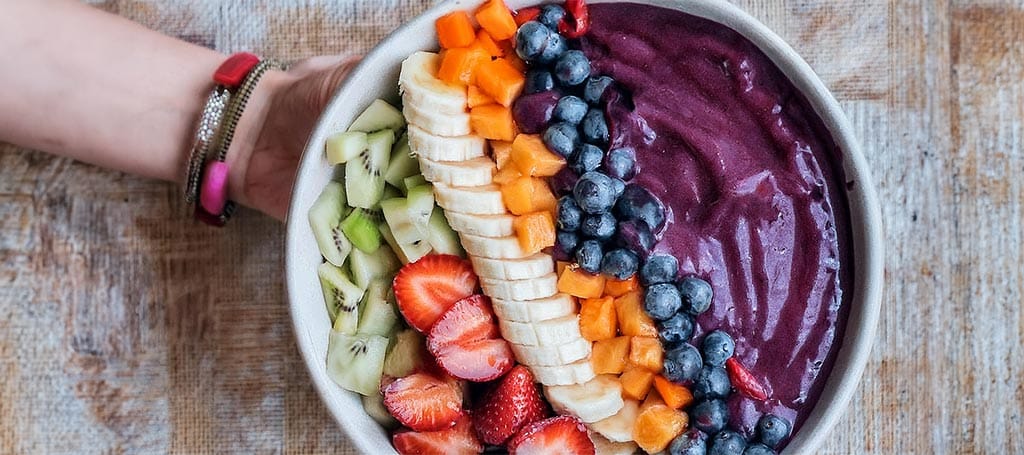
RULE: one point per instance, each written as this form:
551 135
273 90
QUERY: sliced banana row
541 324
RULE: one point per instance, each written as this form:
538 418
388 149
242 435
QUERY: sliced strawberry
425 289
466 343
564 435
423 402
513 403
457 440
744 381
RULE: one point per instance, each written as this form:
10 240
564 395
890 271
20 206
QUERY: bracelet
207 184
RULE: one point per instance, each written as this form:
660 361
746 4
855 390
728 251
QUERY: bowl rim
868 239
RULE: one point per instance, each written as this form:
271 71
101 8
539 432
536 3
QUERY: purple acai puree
751 178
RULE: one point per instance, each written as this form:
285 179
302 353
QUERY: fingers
323 63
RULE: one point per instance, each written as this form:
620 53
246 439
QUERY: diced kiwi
373 404
379 314
367 267
441 236
402 163
414 181
364 180
325 219
377 116
356 362
385 232
341 296
361 229
407 354
415 250
342 147
396 213
390 192
421 205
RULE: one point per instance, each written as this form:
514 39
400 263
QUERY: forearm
81 83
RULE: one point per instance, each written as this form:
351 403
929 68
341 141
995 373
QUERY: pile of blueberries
604 223
674 304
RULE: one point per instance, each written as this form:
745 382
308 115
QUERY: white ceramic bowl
376 77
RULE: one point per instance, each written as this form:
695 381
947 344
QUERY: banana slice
492 247
439 148
476 200
574 373
475 172
554 307
435 122
482 225
539 264
522 290
562 354
420 86
602 446
552 332
594 400
619 427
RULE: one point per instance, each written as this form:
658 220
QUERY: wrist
247 134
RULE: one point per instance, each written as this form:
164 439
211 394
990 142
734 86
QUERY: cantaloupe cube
528 194
597 318
502 151
455 29
501 80
487 43
657 426
647 353
497 19
532 157
579 283
676 396
507 175
633 321
535 231
636 382
609 356
475 97
616 288
459 65
493 121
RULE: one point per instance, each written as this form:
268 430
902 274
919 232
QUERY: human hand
275 127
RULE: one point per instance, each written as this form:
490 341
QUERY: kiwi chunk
364 179
377 116
325 219
441 236
414 181
355 362
342 147
374 406
407 354
361 229
366 267
379 313
421 205
402 164
341 296
396 213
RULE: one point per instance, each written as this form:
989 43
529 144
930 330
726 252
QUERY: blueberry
618 186
586 158
636 236
620 264
599 226
570 109
660 268
636 203
538 80
594 127
594 193
693 442
595 88
566 241
682 364
570 217
621 163
531 39
589 255
555 49
661 301
711 383
561 138
572 68
676 329
717 347
758 449
727 443
709 416
696 294
551 15
771 430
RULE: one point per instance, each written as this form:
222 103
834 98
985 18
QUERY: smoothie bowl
585 227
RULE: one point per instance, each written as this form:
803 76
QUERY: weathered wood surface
124 327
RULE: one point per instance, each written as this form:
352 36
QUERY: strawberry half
425 289
513 403
564 435
466 343
423 402
457 440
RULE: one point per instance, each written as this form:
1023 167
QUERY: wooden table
125 327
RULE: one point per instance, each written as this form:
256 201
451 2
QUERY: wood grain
126 328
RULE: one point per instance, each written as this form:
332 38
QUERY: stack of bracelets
206 179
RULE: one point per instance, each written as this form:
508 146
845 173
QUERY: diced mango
497 19
647 353
609 356
459 65
633 321
617 288
532 157
597 318
507 175
636 382
501 80
579 283
493 121
676 396
455 29
535 231
657 426
487 43
502 151
527 194
475 98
